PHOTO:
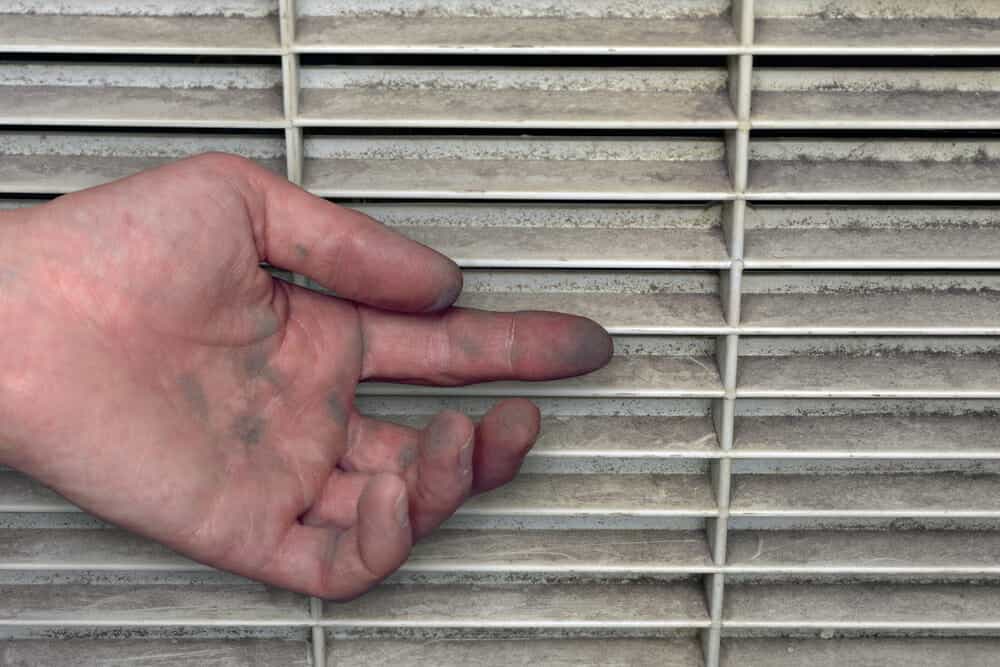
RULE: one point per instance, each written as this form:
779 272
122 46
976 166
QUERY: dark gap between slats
498 61
504 203
136 59
148 131
512 133
874 134
876 62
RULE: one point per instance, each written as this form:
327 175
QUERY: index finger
343 250
464 345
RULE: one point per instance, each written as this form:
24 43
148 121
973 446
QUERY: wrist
14 326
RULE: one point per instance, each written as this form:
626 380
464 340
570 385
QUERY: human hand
152 373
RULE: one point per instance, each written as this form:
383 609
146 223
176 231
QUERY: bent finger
342 564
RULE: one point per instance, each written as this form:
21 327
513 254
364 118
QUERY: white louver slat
793 457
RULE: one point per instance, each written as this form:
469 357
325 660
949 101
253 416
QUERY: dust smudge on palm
266 324
406 457
256 364
194 395
249 429
301 251
337 408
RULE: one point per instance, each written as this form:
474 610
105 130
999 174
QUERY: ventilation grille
794 456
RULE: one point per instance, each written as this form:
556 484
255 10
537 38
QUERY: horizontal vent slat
158 605
564 236
942 494
846 551
911 375
873 435
510 97
448 552
140 95
910 652
870 99
535 168
876 35
188 653
638 606
870 606
530 495
916 169
82 33
863 237
428 33
633 652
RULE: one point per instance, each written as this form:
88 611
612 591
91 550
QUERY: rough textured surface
805 179
574 248
971 552
879 434
878 35
914 311
38 604
889 110
869 605
619 313
154 653
662 605
138 106
542 652
429 34
888 374
517 179
859 652
859 494
79 549
137 34
623 436
581 495
515 108
859 236
19 493
542 552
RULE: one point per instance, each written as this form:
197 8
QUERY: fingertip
591 345
452 282
505 435
557 345
384 536
447 430
513 421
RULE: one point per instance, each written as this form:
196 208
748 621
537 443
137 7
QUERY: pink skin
154 374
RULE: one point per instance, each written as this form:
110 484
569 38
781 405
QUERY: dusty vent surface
786 212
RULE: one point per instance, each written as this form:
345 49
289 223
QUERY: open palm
166 382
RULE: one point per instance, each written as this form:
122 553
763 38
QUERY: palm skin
152 373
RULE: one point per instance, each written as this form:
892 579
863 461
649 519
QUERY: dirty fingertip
589 347
514 421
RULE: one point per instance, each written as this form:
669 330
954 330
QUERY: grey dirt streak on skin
337 409
194 394
593 347
469 346
249 429
406 457
301 251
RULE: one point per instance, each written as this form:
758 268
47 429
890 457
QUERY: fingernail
448 295
403 511
465 455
